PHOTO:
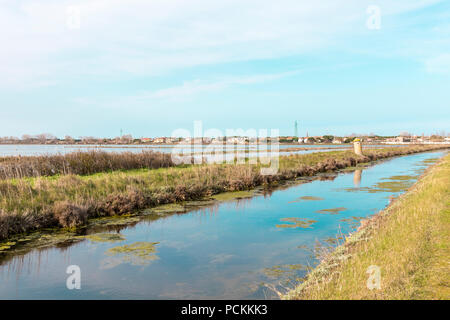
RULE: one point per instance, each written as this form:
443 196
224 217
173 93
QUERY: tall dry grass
80 163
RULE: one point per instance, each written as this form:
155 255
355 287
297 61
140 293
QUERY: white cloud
439 64
121 37
191 88
187 90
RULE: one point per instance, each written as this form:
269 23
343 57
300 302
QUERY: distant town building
403 139
159 140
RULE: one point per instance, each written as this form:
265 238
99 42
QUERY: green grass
409 242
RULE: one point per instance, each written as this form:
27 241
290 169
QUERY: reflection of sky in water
219 253
30 150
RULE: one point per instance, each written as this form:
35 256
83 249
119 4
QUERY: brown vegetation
81 163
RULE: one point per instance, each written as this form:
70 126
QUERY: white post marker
357 146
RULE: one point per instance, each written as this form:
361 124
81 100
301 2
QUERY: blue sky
151 67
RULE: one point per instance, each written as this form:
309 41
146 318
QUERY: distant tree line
48 138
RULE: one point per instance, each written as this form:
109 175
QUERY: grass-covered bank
409 242
69 200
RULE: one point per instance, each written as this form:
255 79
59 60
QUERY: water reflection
357 178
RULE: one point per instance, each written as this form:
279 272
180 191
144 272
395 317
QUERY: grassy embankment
94 161
68 200
409 242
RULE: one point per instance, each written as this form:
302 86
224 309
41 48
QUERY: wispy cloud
192 88
439 64
140 37
187 90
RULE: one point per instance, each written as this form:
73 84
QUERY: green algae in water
333 240
307 198
174 208
401 178
141 249
311 198
7 245
167 209
18 242
198 204
105 237
353 220
392 186
359 166
297 223
228 196
58 239
283 270
24 240
123 222
115 221
284 275
295 266
274 272
137 254
331 211
429 161
356 221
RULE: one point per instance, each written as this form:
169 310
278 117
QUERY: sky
151 67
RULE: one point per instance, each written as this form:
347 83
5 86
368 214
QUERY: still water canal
237 248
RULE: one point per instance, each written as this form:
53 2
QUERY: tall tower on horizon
296 129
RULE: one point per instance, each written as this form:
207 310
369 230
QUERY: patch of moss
123 222
333 240
105 237
353 221
274 272
138 254
198 204
331 211
307 198
7 245
401 178
283 270
429 161
297 223
311 198
167 209
112 223
228 196
392 186
58 239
